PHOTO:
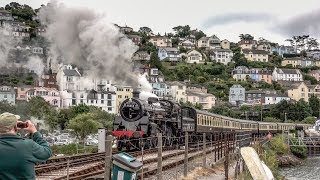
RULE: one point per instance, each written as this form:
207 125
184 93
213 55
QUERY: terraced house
300 62
242 73
256 55
282 74
201 96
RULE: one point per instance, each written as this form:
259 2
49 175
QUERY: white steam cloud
6 43
36 65
88 41
146 87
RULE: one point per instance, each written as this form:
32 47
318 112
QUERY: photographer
18 155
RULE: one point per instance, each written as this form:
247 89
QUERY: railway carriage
266 127
285 126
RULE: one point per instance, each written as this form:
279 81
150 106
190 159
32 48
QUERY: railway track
171 157
58 169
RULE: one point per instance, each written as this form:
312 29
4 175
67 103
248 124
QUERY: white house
212 42
68 78
223 56
51 95
106 100
281 74
187 44
194 56
178 91
161 41
275 98
171 54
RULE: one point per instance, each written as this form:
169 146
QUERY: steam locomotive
140 120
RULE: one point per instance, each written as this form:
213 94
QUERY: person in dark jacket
18 155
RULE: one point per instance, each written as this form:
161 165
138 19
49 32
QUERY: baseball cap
8 121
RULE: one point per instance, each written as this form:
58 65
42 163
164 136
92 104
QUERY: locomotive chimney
135 93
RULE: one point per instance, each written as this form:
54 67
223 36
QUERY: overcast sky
274 20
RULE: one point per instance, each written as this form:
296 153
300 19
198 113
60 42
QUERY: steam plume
146 87
6 43
36 65
90 42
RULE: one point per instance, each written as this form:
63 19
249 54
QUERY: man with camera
18 155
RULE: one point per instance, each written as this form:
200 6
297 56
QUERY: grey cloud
224 19
308 23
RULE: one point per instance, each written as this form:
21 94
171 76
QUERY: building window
119 96
5 96
126 97
109 103
109 108
109 96
102 101
102 96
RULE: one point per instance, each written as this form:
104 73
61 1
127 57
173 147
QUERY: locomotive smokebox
135 93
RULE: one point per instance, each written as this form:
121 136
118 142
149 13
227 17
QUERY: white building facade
281 74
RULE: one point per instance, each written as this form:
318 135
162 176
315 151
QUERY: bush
71 149
270 159
299 151
277 144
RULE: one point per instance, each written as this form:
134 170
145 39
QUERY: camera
22 125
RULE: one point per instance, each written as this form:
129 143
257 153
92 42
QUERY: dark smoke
87 40
224 19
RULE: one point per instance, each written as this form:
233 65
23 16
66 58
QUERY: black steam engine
140 121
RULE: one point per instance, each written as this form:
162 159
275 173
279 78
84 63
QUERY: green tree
23 12
6 107
80 108
309 120
83 125
39 108
182 31
314 104
102 116
303 110
155 61
310 78
199 34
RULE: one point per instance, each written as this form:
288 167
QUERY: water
308 170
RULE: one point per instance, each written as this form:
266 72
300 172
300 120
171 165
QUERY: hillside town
251 72
95 89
